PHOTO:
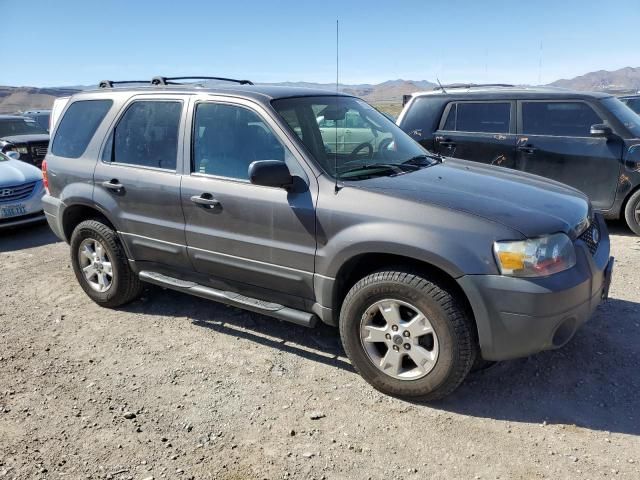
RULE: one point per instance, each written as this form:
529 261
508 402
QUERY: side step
231 298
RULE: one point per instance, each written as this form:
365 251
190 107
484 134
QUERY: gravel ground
172 386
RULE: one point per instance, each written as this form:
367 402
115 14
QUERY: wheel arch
359 266
76 213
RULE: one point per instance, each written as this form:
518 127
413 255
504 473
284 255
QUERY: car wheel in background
407 336
101 265
632 213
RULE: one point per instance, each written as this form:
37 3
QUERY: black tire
125 284
632 212
453 327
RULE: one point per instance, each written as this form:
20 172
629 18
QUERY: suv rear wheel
101 265
406 335
632 213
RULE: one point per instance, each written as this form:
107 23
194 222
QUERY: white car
21 192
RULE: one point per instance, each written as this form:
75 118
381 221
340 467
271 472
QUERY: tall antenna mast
335 149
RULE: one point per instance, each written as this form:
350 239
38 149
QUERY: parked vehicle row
427 264
590 141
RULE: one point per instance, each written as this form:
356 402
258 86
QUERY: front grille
590 238
16 192
39 150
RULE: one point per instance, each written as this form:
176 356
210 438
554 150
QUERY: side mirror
601 130
13 154
270 173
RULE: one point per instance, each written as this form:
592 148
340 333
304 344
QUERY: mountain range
386 95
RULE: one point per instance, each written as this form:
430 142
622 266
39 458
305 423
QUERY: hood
35 137
15 172
530 204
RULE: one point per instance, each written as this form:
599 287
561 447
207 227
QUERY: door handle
528 149
447 143
113 184
205 200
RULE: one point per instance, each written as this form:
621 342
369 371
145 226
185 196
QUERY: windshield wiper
418 160
395 168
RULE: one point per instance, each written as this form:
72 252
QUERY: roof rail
111 83
472 85
171 80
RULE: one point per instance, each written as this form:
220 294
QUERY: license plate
12 211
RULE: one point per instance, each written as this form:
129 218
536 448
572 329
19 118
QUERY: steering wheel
384 146
362 146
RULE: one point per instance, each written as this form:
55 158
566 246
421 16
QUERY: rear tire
433 356
632 212
101 266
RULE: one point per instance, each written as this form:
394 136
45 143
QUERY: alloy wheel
399 339
95 265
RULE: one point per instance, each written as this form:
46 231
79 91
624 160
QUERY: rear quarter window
422 117
77 127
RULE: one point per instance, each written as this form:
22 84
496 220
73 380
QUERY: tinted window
147 135
77 127
227 138
483 117
450 123
560 119
19 126
634 104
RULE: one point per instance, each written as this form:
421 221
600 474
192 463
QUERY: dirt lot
177 387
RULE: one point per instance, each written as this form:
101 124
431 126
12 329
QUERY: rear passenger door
479 131
555 142
255 240
137 180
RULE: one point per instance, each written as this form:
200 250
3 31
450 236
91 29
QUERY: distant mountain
623 80
15 99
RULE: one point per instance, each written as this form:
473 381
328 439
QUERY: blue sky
71 42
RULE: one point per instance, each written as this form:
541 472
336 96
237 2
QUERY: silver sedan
21 192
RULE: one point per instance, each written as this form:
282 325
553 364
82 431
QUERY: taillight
45 177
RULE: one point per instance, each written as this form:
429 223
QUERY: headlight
535 257
13 148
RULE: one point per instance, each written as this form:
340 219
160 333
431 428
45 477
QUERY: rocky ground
177 387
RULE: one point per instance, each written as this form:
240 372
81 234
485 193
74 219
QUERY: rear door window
484 117
558 119
77 127
147 135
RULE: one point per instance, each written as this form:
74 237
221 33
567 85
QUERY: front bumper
517 317
33 209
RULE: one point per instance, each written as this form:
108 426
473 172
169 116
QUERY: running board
231 298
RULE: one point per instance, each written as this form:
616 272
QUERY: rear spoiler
406 98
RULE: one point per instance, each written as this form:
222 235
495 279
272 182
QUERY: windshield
19 126
351 139
627 117
3 157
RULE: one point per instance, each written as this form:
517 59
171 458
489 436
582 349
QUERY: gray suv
428 265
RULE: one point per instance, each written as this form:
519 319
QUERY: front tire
632 213
407 336
101 265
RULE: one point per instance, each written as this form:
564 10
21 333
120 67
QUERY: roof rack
168 81
111 83
171 80
472 85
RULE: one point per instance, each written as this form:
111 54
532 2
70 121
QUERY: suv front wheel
101 265
407 336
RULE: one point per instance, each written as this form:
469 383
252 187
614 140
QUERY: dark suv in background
23 136
231 194
586 140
